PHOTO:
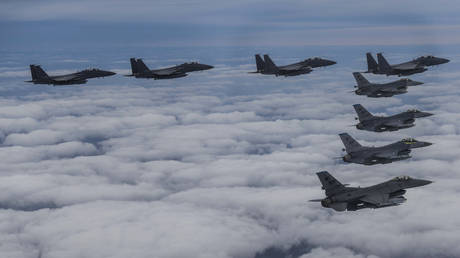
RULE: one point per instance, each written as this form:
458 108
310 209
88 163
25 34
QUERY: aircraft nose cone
426 144
207 67
424 114
444 60
110 73
422 182
330 62
413 83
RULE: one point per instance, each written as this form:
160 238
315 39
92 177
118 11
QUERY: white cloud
182 168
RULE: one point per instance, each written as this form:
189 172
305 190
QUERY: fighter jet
40 77
365 155
140 70
267 66
372 123
377 90
418 65
340 197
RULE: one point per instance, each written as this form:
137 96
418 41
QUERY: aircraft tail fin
133 65
384 66
329 183
260 63
349 143
371 64
270 66
38 73
360 80
362 113
141 67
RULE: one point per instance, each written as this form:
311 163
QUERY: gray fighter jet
40 77
267 66
418 65
377 90
340 197
140 70
400 150
372 123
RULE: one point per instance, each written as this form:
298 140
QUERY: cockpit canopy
413 110
91 70
425 57
401 178
409 140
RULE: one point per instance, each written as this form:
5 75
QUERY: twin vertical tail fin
360 80
260 63
349 143
270 67
362 113
141 67
372 66
384 66
38 73
133 66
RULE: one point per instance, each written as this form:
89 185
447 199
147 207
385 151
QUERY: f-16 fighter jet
40 77
377 90
340 197
372 123
418 65
267 66
365 155
140 70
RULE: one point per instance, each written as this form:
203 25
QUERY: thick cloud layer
217 164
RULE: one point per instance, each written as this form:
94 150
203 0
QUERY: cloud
217 164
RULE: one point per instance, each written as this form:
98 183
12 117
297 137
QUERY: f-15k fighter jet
140 70
40 77
400 150
418 65
267 66
372 123
341 197
378 90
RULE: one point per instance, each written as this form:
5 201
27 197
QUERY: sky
220 163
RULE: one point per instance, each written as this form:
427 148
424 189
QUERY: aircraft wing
406 66
66 78
394 123
168 71
292 67
391 89
386 154
376 198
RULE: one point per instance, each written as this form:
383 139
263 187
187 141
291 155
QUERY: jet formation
140 70
417 65
390 193
369 122
267 66
366 155
341 197
40 77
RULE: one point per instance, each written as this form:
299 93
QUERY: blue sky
31 24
